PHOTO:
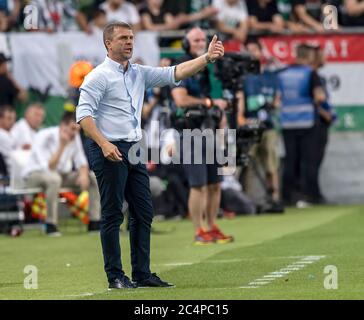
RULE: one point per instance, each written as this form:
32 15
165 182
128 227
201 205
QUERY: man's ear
107 42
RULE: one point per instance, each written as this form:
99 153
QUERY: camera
197 117
246 137
233 67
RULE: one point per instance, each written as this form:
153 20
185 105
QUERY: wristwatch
208 60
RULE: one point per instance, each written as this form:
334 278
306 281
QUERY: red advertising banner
337 47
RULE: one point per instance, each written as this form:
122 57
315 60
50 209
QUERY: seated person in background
25 129
10 91
232 18
7 120
122 10
353 13
55 152
308 13
57 15
264 16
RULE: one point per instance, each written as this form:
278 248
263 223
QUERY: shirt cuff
80 115
176 83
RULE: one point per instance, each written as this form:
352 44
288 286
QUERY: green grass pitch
71 267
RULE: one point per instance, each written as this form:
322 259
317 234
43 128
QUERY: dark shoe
123 283
52 231
93 226
153 281
275 207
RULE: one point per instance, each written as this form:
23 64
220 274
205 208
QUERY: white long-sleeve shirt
45 145
22 133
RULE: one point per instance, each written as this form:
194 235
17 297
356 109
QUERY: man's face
198 42
8 120
254 50
35 117
71 129
122 43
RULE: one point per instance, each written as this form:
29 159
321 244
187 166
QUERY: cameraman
204 181
257 102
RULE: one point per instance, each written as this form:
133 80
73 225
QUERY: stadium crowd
289 179
231 17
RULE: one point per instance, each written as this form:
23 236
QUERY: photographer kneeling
193 96
257 102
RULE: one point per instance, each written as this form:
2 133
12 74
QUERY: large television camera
246 137
231 71
233 67
198 117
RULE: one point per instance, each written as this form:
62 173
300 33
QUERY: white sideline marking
268 278
183 263
177 264
87 294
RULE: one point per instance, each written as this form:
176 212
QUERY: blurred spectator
353 13
264 16
25 129
99 21
154 17
10 90
285 9
7 120
301 91
308 13
57 15
9 14
232 18
77 73
121 10
176 7
204 8
55 152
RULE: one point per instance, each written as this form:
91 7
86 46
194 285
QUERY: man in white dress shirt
55 153
109 111
25 129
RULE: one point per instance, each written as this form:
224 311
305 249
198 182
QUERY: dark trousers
299 164
117 180
321 139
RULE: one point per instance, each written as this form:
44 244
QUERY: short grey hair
109 30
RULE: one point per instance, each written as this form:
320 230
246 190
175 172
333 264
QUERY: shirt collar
116 65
